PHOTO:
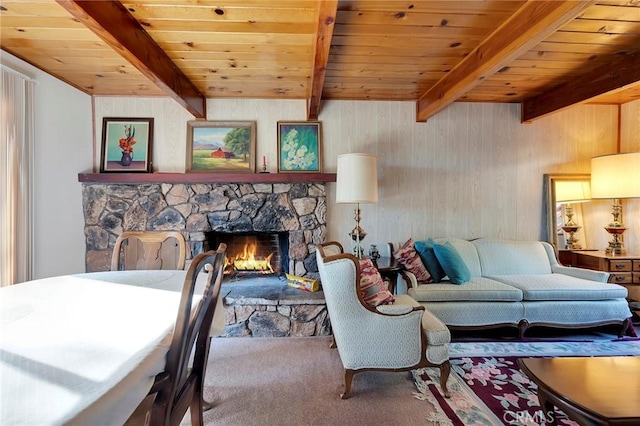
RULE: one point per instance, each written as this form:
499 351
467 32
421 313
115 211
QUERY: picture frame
299 146
221 146
127 144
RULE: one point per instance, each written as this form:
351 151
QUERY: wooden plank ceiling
547 55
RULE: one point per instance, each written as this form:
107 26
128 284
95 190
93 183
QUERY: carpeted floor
298 381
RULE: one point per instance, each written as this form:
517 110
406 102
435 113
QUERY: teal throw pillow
426 253
452 263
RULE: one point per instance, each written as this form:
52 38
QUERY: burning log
247 262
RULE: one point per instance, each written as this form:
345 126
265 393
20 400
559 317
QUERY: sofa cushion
452 263
409 258
576 312
474 314
561 287
372 287
467 252
428 257
508 257
476 289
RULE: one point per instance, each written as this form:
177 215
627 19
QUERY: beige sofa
521 284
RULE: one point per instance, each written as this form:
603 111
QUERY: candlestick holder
264 164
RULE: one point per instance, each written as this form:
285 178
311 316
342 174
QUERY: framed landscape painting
299 146
221 146
126 145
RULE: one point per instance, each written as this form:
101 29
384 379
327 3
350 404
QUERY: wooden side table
388 267
624 269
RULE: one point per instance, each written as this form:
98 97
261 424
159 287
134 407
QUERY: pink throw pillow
372 287
409 258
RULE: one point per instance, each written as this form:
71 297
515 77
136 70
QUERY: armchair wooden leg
348 377
445 369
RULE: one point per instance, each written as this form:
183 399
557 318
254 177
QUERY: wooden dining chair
149 250
179 386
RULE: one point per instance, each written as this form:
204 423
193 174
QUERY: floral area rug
488 388
557 348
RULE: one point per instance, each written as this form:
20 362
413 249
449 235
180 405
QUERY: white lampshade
572 191
357 178
616 176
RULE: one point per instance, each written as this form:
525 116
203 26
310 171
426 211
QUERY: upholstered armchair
392 337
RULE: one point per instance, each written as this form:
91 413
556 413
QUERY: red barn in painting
222 153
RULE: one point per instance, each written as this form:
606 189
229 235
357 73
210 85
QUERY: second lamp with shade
567 193
616 176
357 183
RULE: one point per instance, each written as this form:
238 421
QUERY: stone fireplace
295 212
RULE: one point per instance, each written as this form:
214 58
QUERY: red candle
264 160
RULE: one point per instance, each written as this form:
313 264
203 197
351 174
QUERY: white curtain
16 174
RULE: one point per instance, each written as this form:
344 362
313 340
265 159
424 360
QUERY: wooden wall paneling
630 129
457 169
365 139
471 171
423 164
484 157
438 173
408 172
468 200
529 163
629 142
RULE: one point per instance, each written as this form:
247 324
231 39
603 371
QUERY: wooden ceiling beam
113 23
619 74
533 22
327 10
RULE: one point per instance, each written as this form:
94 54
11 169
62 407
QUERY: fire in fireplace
251 253
246 261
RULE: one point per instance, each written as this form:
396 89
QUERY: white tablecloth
171 280
81 350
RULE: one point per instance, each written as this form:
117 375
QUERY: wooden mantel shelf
205 177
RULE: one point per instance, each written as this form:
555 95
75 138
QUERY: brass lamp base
616 245
572 242
571 228
616 229
357 234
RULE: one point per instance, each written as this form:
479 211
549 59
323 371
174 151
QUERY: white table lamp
616 177
356 183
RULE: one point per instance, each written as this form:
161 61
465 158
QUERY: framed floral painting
299 146
221 146
126 145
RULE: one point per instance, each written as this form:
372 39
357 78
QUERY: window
16 174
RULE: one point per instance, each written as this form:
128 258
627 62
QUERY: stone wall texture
194 209
286 317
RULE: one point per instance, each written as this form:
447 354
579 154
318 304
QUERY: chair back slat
135 250
189 347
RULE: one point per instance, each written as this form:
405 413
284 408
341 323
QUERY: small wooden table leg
548 408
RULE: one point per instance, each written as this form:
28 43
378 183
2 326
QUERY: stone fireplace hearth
197 209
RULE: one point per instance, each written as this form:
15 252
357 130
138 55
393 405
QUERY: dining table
84 349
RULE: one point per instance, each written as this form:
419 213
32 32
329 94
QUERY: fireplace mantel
205 177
